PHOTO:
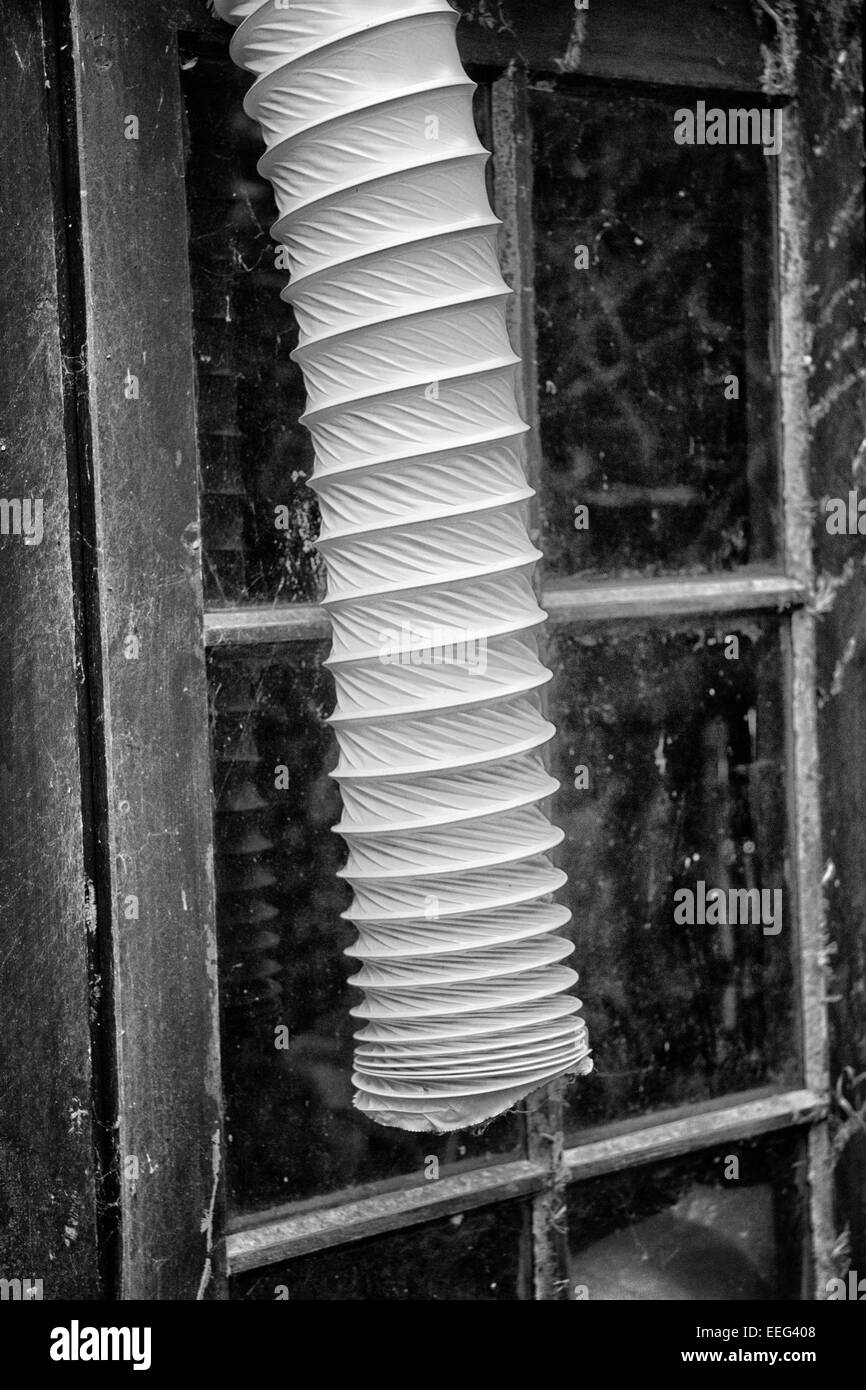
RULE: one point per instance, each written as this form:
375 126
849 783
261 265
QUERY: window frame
174 1240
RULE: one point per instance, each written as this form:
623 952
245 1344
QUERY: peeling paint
828 586
488 13
659 758
780 58
845 292
208 1218
848 214
823 407
77 1116
89 907
570 62
844 660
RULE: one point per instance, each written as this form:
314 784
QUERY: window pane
726 1225
479 1256
254 455
635 351
259 517
671 758
293 1130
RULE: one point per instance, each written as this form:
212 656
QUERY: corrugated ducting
378 176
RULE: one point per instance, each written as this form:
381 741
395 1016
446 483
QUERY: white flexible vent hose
378 176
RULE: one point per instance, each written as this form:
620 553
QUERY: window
688 320
649 317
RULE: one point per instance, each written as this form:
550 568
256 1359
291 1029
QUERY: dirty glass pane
259 517
671 758
637 351
254 456
726 1225
287 1031
478 1256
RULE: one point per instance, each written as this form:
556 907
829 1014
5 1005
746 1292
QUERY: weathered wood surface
157 827
47 1186
691 43
639 1142
830 81
279 1236
270 1237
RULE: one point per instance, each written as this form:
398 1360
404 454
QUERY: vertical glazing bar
805 807
512 195
512 152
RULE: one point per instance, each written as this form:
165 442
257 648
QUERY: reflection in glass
671 759
653 284
479 1257
726 1225
287 1030
259 518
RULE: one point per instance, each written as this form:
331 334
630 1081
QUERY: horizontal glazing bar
290 622
675 597
275 1238
747 1120
662 598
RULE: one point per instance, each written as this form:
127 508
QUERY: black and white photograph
432 668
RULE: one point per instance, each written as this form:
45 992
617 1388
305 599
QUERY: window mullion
803 735
157 824
512 144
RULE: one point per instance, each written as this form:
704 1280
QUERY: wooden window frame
145 580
